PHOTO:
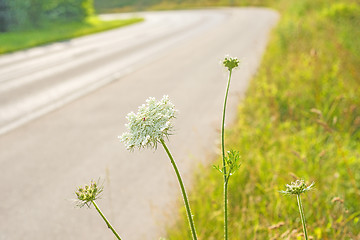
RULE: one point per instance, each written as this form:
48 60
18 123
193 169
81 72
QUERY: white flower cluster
150 125
297 187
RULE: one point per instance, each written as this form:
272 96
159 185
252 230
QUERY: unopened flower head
297 187
88 193
151 124
230 62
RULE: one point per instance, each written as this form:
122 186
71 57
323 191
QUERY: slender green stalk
224 164
106 221
225 210
302 215
187 205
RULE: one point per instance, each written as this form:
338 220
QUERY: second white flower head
150 124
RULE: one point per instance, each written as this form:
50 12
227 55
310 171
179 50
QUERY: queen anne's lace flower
297 187
151 124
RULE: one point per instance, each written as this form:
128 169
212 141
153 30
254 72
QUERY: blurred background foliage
30 23
25 14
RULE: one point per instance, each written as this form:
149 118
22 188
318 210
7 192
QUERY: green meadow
300 119
57 31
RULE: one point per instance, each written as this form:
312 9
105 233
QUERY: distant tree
4 16
35 12
16 14
72 9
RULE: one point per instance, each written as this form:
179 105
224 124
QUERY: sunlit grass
300 118
139 5
51 32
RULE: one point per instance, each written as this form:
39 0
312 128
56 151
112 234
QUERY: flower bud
87 194
231 63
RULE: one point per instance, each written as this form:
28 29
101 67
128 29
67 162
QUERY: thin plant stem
106 221
225 210
303 221
224 164
187 205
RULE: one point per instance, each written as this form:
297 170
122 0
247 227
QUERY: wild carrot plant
150 126
296 188
231 161
87 195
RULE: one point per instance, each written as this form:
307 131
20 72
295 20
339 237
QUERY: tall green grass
300 119
52 32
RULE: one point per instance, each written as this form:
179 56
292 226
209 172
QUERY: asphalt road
62 107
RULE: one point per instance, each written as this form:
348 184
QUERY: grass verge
52 32
300 119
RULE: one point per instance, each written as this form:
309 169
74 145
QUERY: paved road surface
62 107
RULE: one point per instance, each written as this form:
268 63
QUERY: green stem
106 221
302 215
187 205
226 210
224 163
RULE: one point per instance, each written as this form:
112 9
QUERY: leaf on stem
232 161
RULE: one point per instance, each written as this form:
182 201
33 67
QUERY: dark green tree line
16 14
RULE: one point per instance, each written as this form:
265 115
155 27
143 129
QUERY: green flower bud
231 63
87 194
